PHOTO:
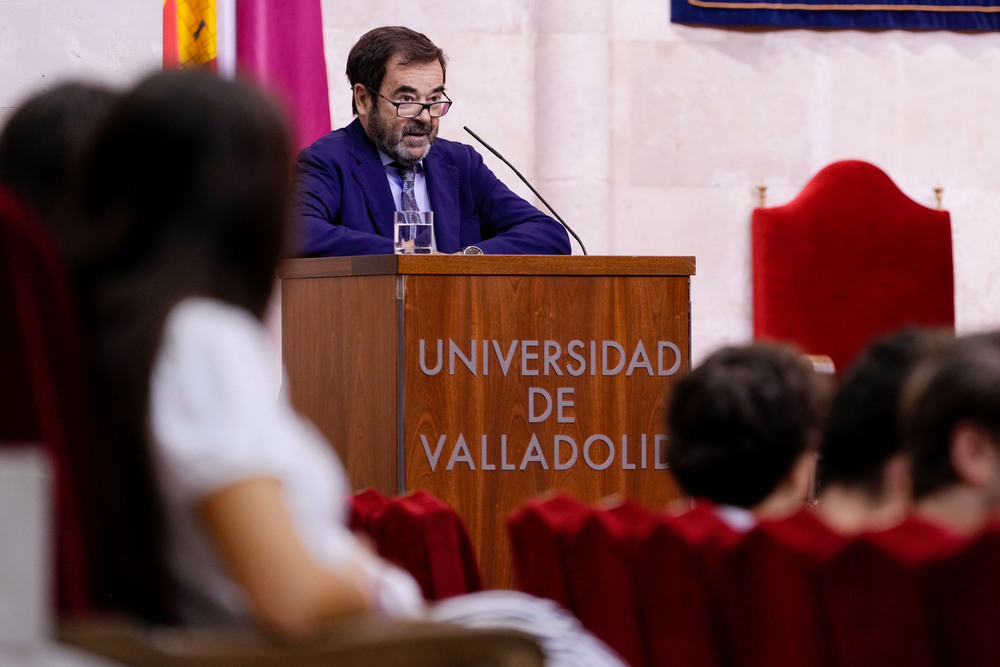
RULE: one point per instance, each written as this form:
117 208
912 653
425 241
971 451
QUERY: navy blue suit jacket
343 204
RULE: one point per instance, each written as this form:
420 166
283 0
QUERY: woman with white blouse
224 505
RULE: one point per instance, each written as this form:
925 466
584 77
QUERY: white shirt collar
388 161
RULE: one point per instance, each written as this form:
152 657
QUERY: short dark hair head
862 432
369 56
739 422
961 386
43 140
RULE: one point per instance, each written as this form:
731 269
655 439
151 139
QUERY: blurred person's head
742 428
187 184
951 425
42 142
863 470
184 192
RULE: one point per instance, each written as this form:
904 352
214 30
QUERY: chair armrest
366 641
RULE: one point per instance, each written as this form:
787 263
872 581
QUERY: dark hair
738 423
962 385
863 431
185 192
42 142
368 57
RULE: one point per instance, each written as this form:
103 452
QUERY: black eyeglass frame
423 105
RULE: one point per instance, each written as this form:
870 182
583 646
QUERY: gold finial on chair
939 193
762 194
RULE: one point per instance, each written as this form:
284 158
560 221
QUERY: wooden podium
490 379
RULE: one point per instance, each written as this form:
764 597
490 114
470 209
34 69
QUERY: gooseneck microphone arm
540 197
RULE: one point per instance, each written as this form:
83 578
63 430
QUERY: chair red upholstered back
849 259
43 392
599 561
425 536
537 533
364 505
676 561
769 594
965 591
877 590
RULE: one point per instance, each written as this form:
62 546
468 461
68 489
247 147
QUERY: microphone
540 197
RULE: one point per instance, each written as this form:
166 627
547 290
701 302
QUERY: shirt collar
390 162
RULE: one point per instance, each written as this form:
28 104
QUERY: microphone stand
540 197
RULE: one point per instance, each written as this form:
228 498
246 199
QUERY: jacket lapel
442 190
369 173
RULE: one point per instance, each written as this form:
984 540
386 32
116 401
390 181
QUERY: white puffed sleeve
217 417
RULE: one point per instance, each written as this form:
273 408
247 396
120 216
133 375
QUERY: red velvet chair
878 601
849 259
425 536
599 561
364 505
965 590
769 593
537 531
672 576
43 395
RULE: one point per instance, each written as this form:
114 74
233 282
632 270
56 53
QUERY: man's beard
393 145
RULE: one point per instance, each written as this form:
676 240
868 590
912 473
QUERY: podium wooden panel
432 372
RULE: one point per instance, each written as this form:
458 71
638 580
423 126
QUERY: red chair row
689 590
423 535
43 393
578 557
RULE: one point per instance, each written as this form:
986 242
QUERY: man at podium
351 181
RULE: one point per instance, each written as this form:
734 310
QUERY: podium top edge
537 265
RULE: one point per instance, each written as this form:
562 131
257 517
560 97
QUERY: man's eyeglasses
414 109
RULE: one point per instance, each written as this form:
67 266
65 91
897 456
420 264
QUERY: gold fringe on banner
721 4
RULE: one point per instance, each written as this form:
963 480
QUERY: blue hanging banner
872 14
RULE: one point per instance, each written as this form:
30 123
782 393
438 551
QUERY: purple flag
280 45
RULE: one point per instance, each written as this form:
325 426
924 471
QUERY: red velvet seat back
537 533
44 394
599 560
769 593
425 536
966 602
364 505
849 259
878 596
672 573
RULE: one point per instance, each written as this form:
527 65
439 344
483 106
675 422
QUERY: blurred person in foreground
41 145
863 474
742 431
951 425
230 507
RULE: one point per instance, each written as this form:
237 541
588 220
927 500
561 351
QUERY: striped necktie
407 175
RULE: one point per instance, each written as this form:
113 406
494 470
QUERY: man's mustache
417 127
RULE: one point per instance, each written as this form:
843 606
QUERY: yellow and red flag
278 44
190 38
